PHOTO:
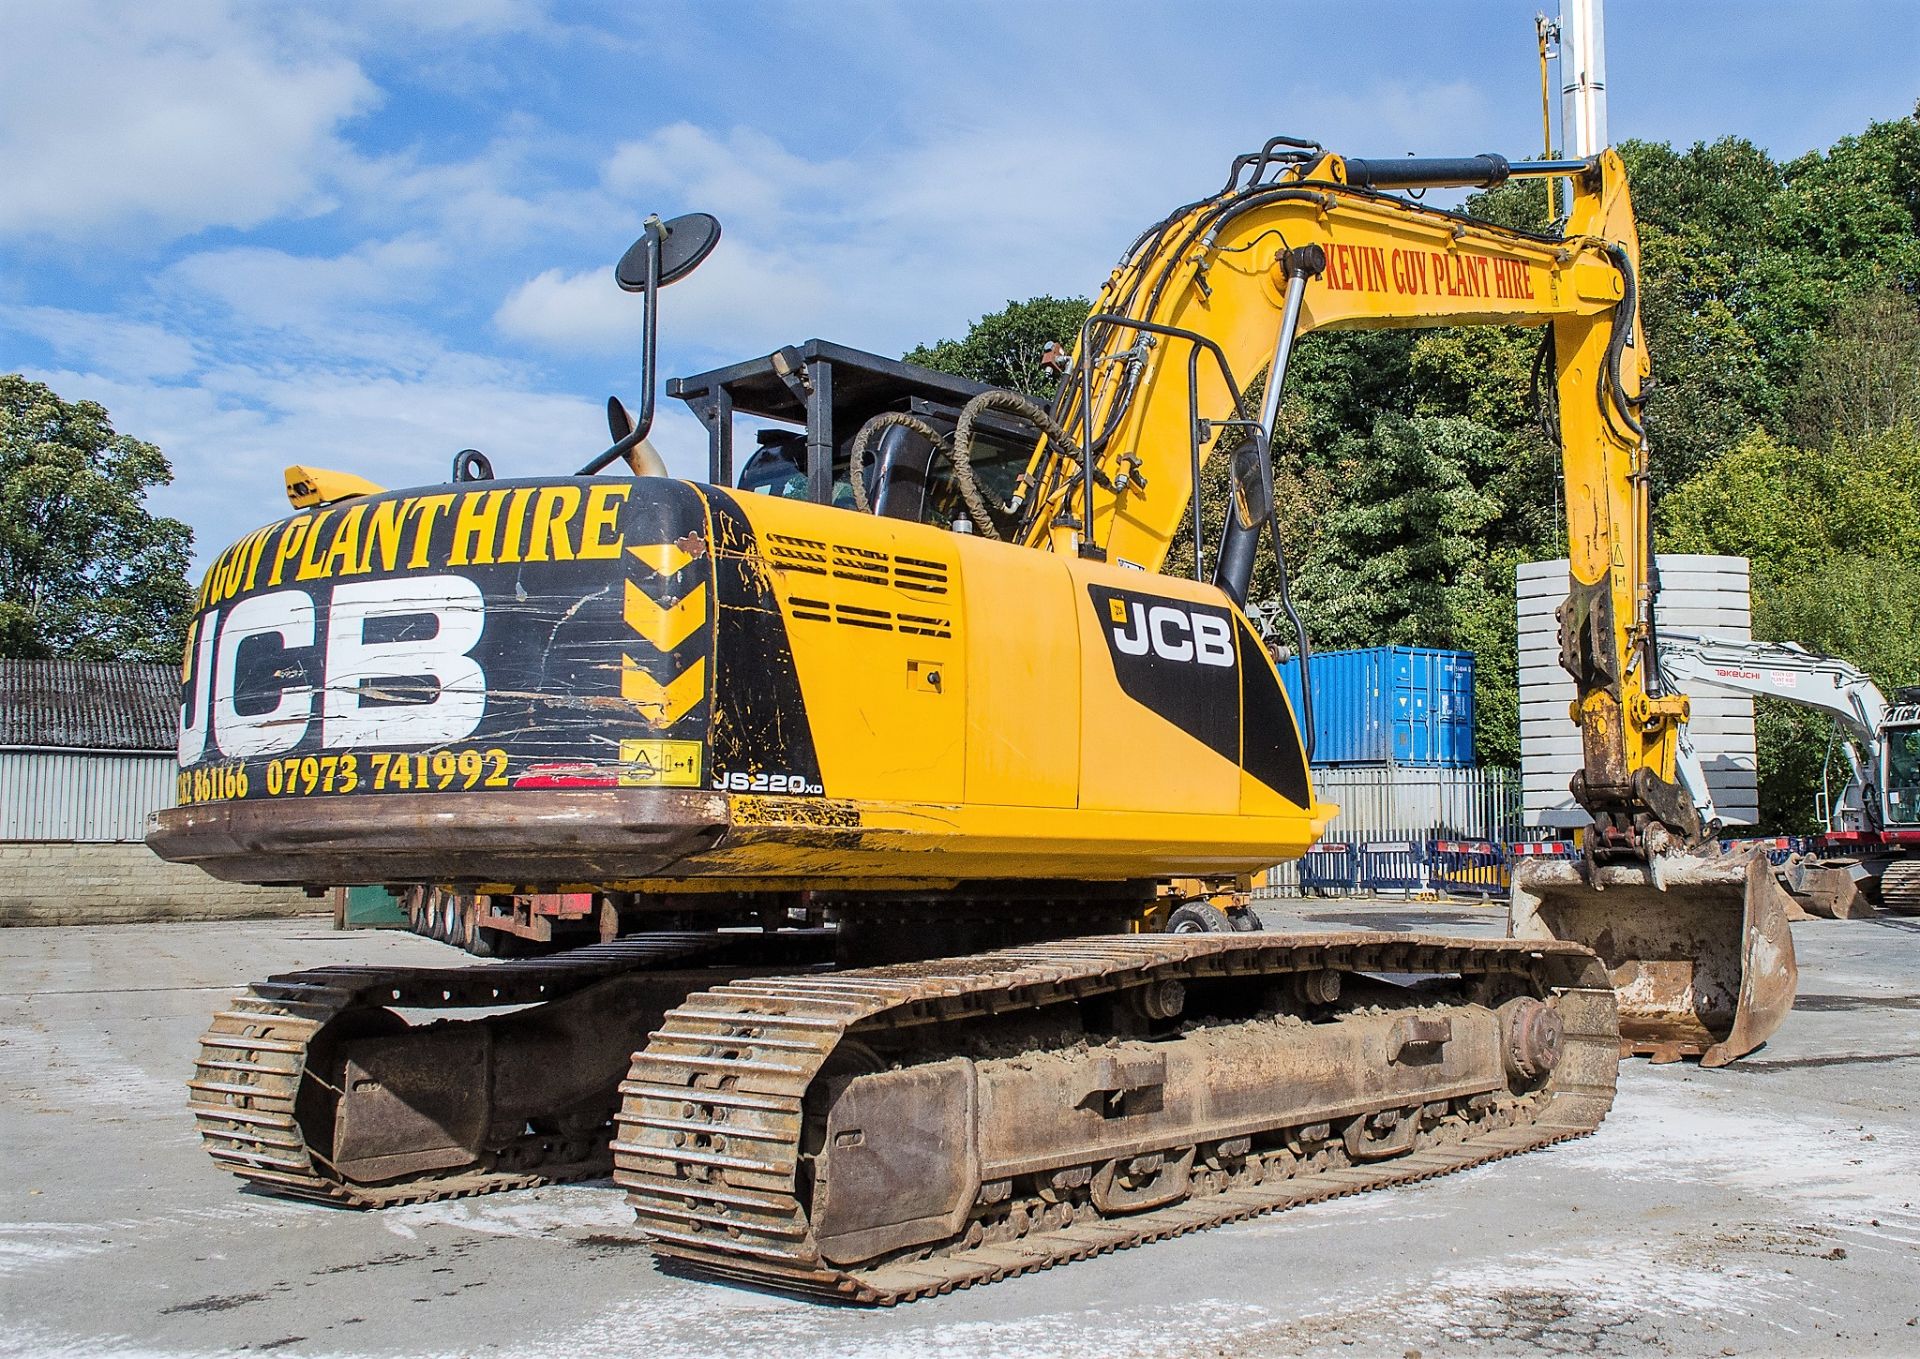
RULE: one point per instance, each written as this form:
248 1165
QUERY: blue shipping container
1389 705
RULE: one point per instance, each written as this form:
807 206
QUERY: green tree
1003 348
86 570
1702 218
1793 510
1742 259
1861 376
1833 535
1388 561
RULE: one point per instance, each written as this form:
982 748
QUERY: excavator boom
1698 945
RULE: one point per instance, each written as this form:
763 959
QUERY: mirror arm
642 422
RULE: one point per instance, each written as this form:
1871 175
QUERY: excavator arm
1217 294
1794 675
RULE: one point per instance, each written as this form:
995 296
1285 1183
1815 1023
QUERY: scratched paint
485 636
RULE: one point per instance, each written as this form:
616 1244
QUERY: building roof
89 705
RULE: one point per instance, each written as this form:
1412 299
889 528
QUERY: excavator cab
820 396
1901 777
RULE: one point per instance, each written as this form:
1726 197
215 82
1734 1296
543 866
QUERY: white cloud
150 122
230 433
123 347
229 427
494 200
469 16
572 311
896 243
745 172
908 238
745 299
273 288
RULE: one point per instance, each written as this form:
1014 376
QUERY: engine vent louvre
797 554
859 616
866 565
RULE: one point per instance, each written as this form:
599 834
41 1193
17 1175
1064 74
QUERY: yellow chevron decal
665 703
665 625
664 558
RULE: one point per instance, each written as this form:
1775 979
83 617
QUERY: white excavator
1868 852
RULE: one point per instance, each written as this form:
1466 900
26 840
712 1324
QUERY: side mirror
665 253
685 242
1252 481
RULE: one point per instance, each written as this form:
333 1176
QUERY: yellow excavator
874 763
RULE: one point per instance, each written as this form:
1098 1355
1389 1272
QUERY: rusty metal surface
724 1134
1699 949
899 1166
307 1085
411 1103
1533 1037
546 834
1833 894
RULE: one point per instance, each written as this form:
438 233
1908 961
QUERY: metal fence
1434 866
1391 800
1410 865
1409 830
92 797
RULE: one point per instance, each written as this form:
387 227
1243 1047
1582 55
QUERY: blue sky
368 234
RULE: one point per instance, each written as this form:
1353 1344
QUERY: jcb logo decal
1177 658
1171 632
358 673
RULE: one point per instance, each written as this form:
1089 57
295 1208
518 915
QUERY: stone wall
117 884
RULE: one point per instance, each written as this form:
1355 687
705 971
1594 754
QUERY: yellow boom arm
1206 293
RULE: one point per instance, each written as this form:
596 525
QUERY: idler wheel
1321 987
1531 1037
1199 917
1160 1000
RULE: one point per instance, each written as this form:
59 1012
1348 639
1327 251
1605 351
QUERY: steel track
1900 887
709 1134
256 1057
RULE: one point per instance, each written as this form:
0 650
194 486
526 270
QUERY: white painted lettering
355 666
1212 640
196 711
287 615
1159 618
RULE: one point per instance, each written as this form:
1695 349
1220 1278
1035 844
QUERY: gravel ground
1770 1208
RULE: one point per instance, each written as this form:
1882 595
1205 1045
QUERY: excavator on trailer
910 705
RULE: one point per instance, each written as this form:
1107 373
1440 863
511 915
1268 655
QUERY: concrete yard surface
1772 1208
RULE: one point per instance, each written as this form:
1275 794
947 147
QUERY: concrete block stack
1699 594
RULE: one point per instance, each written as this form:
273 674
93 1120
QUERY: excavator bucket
1699 949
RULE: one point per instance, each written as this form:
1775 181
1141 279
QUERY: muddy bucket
1699 949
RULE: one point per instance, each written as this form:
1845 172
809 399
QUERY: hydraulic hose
856 472
1218 212
1628 307
962 450
956 454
